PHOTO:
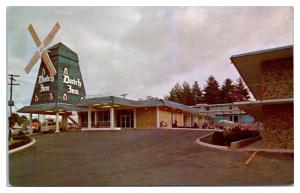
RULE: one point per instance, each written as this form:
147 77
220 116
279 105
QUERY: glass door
125 121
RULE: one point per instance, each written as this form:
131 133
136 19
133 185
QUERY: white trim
267 101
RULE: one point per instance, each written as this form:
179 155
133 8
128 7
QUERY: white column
134 118
30 123
182 119
96 118
89 118
157 118
57 122
112 118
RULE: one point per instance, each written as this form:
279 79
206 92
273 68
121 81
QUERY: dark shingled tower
66 86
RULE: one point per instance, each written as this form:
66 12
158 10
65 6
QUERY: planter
241 143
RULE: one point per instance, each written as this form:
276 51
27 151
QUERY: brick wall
277 77
278 126
146 117
179 119
165 115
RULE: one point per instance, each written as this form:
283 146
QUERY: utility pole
12 79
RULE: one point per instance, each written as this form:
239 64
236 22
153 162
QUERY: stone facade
278 126
146 117
277 78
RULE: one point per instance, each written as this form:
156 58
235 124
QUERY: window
236 118
103 119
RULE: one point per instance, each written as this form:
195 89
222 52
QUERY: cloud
146 50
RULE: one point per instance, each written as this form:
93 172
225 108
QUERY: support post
134 118
157 118
65 118
112 118
96 118
57 122
30 123
89 118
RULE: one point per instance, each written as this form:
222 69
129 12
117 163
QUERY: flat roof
249 65
50 108
110 100
254 108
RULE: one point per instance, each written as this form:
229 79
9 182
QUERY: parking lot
141 157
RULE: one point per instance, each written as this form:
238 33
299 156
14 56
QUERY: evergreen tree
187 96
211 91
241 93
227 91
175 94
197 93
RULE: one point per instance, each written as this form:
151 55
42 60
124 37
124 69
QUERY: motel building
269 76
64 95
230 112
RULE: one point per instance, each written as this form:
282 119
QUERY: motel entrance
125 118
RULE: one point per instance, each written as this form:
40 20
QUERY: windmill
42 49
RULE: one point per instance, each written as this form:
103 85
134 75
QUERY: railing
98 124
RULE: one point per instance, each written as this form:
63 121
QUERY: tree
13 119
211 91
151 97
197 93
175 94
241 93
227 91
187 96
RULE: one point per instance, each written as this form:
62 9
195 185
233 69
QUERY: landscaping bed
18 141
227 137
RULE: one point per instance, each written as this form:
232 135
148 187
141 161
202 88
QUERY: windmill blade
32 61
51 35
48 63
34 35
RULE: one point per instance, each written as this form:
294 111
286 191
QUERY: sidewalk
258 146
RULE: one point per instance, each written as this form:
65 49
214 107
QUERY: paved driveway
140 157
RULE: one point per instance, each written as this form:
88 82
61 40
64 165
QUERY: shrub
226 137
218 138
19 141
20 133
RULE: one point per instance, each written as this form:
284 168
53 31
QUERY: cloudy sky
145 50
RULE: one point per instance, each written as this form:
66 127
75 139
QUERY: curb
198 141
193 129
101 129
22 147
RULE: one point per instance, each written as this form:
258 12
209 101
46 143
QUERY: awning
249 65
51 108
255 108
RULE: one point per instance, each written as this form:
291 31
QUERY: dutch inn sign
66 86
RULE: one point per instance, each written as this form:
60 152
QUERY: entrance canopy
51 108
249 66
112 101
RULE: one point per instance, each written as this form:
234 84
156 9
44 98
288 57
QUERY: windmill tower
59 85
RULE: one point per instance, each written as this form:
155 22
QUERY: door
125 121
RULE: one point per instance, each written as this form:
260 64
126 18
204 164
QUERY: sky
144 51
